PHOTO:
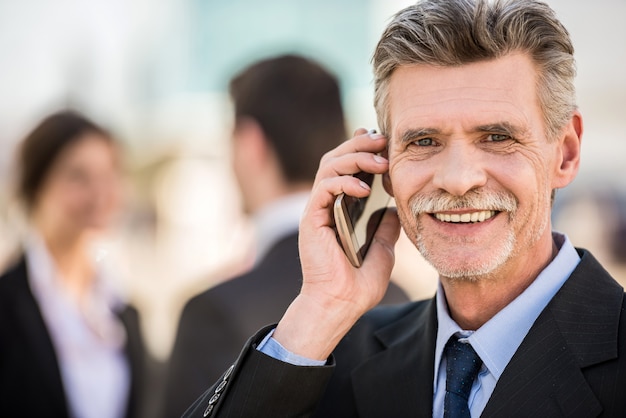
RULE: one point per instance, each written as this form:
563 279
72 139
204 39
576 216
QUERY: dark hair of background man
297 104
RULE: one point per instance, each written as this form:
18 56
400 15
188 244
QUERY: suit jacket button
214 398
221 386
228 372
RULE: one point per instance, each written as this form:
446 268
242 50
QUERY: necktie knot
462 368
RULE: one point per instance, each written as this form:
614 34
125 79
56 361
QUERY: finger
381 254
351 164
364 142
325 193
360 131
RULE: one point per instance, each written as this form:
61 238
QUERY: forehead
90 150
462 97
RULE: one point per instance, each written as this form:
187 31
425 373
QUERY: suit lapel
400 378
37 336
577 329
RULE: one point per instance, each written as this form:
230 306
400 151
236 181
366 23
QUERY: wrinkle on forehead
495 92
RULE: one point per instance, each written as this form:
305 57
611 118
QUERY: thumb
381 252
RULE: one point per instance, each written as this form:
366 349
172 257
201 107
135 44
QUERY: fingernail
380 160
364 185
376 136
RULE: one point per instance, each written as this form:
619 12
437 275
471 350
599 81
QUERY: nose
460 168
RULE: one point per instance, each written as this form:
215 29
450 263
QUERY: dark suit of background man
476 105
287 115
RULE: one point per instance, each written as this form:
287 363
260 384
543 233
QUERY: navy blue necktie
462 368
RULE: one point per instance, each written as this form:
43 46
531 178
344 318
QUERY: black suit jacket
215 324
572 363
30 379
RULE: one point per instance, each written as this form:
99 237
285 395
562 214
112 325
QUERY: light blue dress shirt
500 337
495 342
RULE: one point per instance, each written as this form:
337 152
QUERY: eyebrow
411 135
504 128
507 128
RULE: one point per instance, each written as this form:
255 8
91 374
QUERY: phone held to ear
357 219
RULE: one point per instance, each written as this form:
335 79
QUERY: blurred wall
156 72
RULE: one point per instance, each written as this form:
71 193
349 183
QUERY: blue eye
424 142
499 137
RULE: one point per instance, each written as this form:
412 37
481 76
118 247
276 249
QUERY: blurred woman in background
69 346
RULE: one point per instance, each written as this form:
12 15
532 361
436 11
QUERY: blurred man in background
288 113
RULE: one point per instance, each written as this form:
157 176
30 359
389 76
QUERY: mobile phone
357 219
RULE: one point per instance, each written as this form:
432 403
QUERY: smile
472 217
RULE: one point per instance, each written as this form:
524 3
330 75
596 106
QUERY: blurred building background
155 72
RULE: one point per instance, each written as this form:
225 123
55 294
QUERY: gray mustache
474 199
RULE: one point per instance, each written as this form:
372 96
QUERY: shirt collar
498 339
43 272
277 220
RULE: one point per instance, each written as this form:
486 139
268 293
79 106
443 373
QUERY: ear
568 152
250 145
386 177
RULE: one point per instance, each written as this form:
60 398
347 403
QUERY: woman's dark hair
42 147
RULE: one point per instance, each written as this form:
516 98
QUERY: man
475 100
287 115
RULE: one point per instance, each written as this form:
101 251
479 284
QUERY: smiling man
476 105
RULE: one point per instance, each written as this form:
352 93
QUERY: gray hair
457 32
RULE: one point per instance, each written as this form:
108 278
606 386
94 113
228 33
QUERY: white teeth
481 216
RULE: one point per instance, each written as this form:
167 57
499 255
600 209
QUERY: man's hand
335 294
